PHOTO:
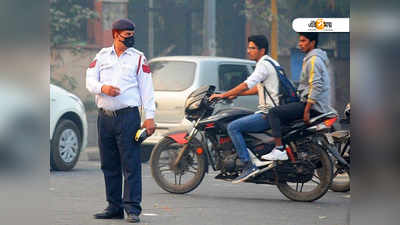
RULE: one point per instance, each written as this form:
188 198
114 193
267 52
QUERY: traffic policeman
120 78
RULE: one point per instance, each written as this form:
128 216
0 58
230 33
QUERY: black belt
117 112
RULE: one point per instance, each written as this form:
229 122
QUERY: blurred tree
259 13
176 26
68 20
230 27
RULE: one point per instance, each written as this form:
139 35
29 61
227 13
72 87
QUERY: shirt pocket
106 72
127 70
127 76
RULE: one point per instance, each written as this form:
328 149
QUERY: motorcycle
341 138
181 159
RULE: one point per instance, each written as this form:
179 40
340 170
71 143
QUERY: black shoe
247 172
132 218
110 214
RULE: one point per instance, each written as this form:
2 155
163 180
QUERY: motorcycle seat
293 125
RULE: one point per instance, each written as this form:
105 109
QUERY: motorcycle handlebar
220 100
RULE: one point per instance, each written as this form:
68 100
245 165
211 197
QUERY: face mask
129 42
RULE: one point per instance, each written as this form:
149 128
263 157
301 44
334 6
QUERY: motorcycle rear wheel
324 174
192 163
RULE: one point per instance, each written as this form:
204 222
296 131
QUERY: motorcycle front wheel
189 172
320 182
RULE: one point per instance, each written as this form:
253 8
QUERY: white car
68 128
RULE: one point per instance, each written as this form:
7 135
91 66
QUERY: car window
172 75
231 75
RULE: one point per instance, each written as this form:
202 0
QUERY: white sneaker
275 154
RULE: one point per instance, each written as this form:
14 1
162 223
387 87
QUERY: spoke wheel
187 175
320 172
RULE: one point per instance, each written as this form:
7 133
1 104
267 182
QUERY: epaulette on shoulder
104 50
136 51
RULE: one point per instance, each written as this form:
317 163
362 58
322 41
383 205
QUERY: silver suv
175 77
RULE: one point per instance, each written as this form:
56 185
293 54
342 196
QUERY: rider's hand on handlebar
232 97
215 96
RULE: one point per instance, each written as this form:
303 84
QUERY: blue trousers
120 155
252 123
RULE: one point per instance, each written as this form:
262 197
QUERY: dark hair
312 36
260 41
113 31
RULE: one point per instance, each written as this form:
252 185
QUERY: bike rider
314 89
264 75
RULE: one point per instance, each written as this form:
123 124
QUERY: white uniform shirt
129 72
265 73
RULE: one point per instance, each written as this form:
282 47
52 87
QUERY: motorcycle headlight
194 105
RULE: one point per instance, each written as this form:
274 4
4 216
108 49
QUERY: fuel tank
226 115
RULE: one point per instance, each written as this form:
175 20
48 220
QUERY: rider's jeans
285 114
252 123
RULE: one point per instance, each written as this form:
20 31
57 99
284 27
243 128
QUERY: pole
151 29
209 40
274 30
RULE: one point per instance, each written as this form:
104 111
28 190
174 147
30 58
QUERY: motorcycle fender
178 136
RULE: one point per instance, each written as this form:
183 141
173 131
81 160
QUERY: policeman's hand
150 126
110 90
217 96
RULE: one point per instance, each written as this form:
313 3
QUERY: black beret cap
123 24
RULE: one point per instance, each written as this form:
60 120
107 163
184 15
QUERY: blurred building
182 27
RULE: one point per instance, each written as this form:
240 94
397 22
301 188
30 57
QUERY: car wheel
65 146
